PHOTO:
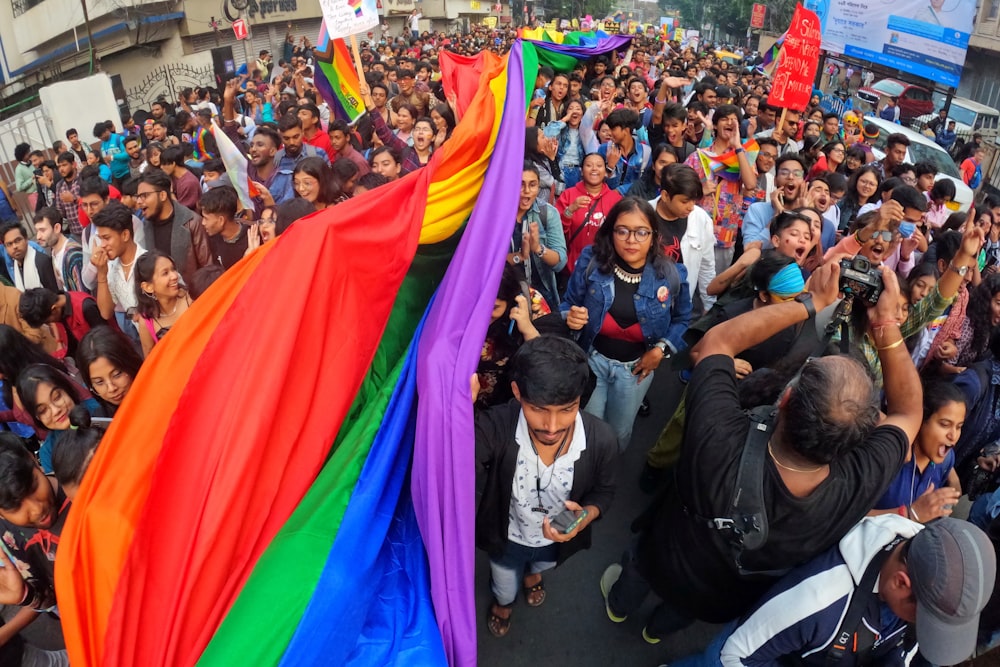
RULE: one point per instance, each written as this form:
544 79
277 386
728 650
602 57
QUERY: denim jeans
618 394
712 655
507 572
571 176
630 591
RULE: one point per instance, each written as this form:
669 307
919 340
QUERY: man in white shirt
114 260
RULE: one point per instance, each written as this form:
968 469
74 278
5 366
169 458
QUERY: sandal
498 625
535 595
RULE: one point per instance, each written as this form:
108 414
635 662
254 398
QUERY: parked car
913 100
969 116
923 149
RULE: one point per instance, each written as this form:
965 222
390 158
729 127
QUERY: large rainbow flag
250 503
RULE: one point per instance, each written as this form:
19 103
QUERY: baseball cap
724 91
952 567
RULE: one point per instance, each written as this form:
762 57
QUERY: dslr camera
861 280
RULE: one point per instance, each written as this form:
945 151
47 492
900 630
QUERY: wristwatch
960 270
541 251
516 258
661 345
806 299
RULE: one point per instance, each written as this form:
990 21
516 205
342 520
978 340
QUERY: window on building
21 6
993 9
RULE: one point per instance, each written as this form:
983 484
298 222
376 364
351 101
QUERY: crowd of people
670 220
831 317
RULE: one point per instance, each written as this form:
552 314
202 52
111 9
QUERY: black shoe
649 480
644 408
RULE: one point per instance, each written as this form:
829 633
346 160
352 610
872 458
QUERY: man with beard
784 134
263 167
133 148
68 192
295 150
171 227
32 268
789 192
67 254
564 459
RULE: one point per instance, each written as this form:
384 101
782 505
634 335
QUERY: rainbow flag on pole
270 516
335 77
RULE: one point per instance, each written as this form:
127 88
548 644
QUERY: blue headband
788 282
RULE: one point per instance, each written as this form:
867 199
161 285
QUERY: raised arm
740 333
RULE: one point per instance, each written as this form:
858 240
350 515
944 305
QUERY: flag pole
357 60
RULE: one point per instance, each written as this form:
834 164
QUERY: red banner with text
758 15
798 59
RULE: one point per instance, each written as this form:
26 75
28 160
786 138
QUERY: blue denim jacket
659 320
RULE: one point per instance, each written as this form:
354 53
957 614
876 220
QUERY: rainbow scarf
252 500
336 79
727 165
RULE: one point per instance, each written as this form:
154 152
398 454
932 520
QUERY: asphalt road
571 627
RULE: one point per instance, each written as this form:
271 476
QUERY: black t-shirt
671 233
622 311
691 565
227 253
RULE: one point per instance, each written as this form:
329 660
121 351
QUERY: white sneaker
608 579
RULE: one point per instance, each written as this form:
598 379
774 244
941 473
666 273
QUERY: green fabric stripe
261 622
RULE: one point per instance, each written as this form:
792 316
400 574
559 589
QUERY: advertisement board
757 17
927 38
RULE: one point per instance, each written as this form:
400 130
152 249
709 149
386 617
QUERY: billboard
757 16
926 38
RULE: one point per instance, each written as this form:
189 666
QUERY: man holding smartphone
563 461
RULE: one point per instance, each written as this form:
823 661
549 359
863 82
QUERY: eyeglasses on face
641 235
797 173
142 196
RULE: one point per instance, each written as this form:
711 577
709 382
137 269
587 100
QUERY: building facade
981 78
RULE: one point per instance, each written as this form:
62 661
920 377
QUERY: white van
969 116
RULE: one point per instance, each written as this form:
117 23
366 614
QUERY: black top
690 565
227 253
496 461
622 311
162 231
671 233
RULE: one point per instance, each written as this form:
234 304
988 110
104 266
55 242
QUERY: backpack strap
746 520
848 639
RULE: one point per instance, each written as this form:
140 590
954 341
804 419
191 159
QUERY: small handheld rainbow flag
771 56
336 80
727 165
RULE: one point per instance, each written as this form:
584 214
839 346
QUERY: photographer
828 461
564 461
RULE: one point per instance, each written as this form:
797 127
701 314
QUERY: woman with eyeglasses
629 306
861 189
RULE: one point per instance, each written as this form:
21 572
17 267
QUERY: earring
149 294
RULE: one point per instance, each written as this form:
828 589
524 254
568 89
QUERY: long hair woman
162 300
108 363
630 306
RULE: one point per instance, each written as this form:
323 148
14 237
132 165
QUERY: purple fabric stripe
604 44
443 480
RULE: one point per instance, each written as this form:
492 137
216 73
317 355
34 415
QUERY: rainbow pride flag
727 165
772 56
251 503
335 77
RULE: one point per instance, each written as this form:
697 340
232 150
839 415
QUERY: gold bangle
890 346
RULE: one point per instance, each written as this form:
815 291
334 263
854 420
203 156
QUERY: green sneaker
608 580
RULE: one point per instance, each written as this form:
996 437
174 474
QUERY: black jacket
496 461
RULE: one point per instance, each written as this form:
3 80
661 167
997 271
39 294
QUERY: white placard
349 17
